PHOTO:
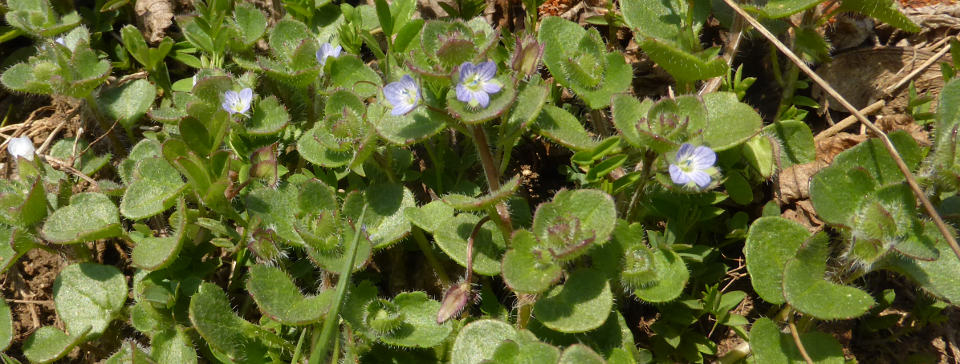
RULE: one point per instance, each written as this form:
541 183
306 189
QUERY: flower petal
21 147
492 86
704 157
678 176
401 108
466 70
684 152
487 70
462 93
482 98
701 178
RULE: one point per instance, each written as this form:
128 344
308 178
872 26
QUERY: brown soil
28 289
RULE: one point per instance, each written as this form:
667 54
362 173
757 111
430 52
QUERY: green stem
431 258
437 163
322 345
384 164
297 351
648 159
600 123
493 178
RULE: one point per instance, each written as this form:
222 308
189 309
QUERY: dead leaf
794 182
156 16
804 214
830 147
891 123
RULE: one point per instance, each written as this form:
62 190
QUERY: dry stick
848 121
729 51
863 119
63 166
796 340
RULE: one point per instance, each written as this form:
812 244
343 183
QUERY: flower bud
526 55
21 147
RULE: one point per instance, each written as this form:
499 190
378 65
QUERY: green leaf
781 8
129 353
467 203
628 113
771 242
729 122
873 157
530 101
89 295
349 72
478 340
419 328
418 125
383 14
578 59
593 210
14 243
152 253
6 326
21 78
311 148
563 128
759 152
528 351
805 288
154 189
581 304
276 209
614 333
940 277
661 19
948 115
269 117
250 22
738 188
883 10
836 192
279 298
451 236
580 354
384 221
48 344
90 216
921 241
683 65
173 346
770 345
429 217
673 276
523 271
796 142
223 330
128 103
286 36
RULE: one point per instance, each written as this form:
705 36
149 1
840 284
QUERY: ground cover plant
470 182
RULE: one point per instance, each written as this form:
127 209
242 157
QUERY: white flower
61 41
693 166
477 83
237 102
403 95
21 147
327 50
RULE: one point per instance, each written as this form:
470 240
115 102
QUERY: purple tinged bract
328 50
477 83
693 166
403 95
237 102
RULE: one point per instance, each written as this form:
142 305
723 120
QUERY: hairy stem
493 178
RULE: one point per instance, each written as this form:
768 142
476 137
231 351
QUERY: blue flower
237 102
477 83
403 95
327 50
693 166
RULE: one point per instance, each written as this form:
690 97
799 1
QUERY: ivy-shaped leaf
89 295
223 330
771 242
769 345
419 328
523 271
478 341
805 288
154 188
581 304
452 234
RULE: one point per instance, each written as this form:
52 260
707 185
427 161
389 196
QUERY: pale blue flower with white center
693 166
403 95
477 83
61 41
21 147
237 102
327 50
